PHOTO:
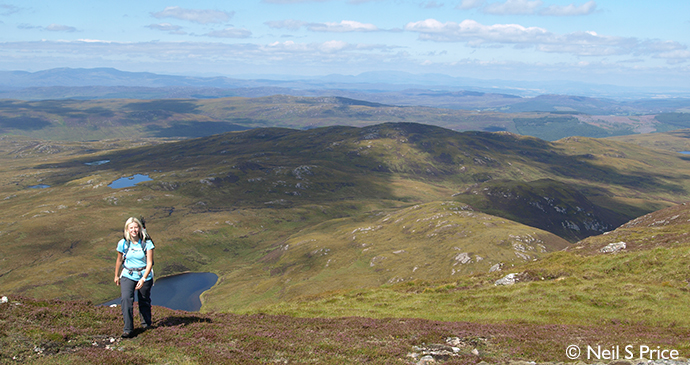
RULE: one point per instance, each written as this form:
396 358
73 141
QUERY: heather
57 332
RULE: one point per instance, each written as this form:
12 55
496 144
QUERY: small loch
96 163
128 182
39 186
179 292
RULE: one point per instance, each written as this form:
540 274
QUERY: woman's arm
149 266
118 265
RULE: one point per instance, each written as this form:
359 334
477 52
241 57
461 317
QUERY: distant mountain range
393 88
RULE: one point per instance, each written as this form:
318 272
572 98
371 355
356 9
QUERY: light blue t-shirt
135 258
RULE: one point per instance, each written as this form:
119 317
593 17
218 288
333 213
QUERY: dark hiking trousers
127 299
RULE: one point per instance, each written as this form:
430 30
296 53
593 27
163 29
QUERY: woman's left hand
140 283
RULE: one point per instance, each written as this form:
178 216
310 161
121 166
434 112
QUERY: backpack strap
127 245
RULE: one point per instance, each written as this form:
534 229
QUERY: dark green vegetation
165 118
396 220
672 121
554 128
59 332
547 204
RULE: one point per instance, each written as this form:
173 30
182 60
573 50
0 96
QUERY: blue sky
628 43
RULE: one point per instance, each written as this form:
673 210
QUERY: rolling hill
377 244
281 213
190 118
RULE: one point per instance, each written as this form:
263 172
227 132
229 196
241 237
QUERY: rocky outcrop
613 247
509 279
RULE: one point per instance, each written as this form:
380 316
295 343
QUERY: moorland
376 240
187 118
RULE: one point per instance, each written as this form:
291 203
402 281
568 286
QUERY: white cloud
7 9
513 7
472 31
672 52
230 33
528 7
194 15
87 40
356 2
289 24
166 27
470 4
343 26
60 28
291 1
589 44
334 46
27 26
652 46
51 27
675 57
334 57
431 5
104 50
570 10
327 47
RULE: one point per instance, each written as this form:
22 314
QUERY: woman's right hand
117 280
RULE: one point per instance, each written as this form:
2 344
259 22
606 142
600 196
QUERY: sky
627 43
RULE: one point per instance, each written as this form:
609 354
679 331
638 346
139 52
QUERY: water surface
39 186
128 182
179 292
96 163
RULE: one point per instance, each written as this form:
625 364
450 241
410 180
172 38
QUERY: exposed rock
509 279
376 260
300 171
428 359
462 258
614 247
454 348
496 267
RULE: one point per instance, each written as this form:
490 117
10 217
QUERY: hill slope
229 203
585 296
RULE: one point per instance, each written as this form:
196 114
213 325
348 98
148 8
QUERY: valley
312 219
280 213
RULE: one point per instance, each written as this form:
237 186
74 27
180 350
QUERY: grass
52 332
227 203
362 265
565 288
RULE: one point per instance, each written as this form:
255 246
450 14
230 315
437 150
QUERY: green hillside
589 286
674 141
342 244
267 209
645 282
584 296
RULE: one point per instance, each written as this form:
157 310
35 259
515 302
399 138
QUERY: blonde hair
129 221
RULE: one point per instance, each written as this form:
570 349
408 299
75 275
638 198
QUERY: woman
135 256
